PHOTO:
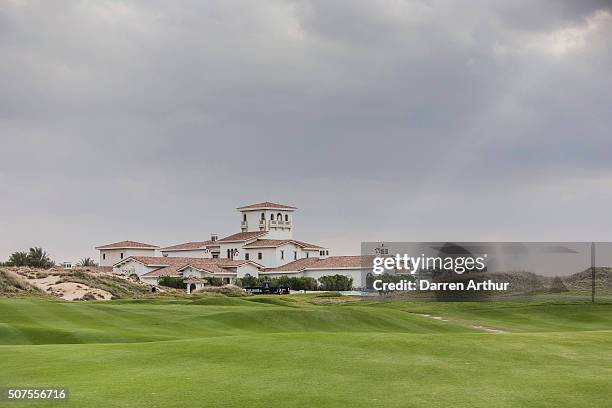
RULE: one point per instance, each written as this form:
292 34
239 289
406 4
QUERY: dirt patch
477 327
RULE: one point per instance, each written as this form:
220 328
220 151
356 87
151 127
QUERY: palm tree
18 259
87 262
38 258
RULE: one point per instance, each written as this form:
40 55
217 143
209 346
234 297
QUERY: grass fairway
279 352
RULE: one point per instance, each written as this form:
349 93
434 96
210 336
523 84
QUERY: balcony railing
280 224
244 224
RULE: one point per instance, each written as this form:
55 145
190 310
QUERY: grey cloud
380 120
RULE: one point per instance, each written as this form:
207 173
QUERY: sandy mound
69 290
83 283
77 291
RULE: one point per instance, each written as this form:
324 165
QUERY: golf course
309 350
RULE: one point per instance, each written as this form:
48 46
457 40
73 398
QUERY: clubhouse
264 246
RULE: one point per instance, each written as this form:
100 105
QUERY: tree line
37 257
324 283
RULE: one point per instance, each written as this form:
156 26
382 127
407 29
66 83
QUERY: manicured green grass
279 352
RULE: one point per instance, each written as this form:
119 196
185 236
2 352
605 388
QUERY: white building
264 246
110 254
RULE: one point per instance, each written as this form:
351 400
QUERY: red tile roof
294 266
243 236
127 244
172 265
188 245
274 243
333 262
267 205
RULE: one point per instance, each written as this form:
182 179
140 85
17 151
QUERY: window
103 256
326 252
263 216
244 217
246 256
122 255
228 253
259 255
279 217
271 217
307 254
215 255
321 253
282 254
294 254
287 217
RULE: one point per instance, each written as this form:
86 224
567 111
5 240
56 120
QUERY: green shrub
172 282
293 283
248 281
215 281
335 283
36 258
87 262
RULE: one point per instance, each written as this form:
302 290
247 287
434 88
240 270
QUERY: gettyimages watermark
481 270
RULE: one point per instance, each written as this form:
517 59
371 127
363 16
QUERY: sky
380 120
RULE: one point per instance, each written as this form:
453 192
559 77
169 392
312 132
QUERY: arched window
287 217
271 217
244 217
279 217
263 216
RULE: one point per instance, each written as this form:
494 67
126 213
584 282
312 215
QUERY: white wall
187 272
272 257
253 218
114 255
268 256
247 269
223 247
151 280
132 267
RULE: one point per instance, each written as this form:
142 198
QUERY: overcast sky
383 120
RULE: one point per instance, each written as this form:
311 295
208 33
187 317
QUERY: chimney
214 237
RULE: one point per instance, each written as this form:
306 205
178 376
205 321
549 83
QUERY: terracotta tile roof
171 266
294 266
127 244
267 205
307 245
344 262
274 243
353 262
167 271
188 245
243 236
